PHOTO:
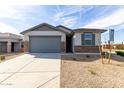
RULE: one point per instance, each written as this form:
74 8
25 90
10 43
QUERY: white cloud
6 11
7 28
69 21
14 12
65 15
9 11
58 16
18 12
77 9
114 19
72 9
68 10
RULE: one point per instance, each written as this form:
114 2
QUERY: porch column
9 46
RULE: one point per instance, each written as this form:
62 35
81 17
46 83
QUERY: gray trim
93 39
57 29
89 30
82 39
64 27
40 25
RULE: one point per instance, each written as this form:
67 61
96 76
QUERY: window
88 36
88 39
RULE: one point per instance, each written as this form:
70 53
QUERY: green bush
120 53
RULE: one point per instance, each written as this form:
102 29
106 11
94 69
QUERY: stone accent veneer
63 46
86 49
26 46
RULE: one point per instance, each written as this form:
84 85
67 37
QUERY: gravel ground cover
10 56
92 74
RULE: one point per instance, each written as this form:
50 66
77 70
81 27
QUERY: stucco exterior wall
97 38
77 39
45 33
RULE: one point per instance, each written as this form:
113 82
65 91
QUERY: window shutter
93 39
82 39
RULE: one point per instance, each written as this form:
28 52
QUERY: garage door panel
45 44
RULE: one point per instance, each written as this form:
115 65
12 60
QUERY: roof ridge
42 24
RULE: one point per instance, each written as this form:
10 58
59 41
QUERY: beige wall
77 39
8 46
45 33
97 38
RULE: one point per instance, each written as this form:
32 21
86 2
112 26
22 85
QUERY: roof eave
31 29
89 30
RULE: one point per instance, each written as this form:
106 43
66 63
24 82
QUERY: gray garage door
3 47
45 44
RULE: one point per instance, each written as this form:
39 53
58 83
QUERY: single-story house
9 42
45 38
87 40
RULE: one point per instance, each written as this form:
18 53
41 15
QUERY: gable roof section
40 28
89 30
66 29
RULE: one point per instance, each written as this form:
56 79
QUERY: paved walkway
35 70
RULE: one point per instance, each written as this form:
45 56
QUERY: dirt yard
91 73
10 56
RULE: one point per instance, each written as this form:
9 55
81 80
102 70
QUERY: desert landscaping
87 71
8 56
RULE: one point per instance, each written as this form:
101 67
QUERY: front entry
69 43
12 47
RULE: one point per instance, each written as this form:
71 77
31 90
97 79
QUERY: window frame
90 39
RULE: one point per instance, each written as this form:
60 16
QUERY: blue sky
15 19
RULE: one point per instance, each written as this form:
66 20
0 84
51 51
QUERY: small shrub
122 54
118 52
2 57
74 59
92 72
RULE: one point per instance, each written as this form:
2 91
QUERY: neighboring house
45 38
9 42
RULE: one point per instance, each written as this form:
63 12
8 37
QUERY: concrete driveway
34 70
